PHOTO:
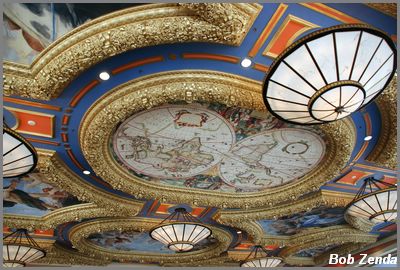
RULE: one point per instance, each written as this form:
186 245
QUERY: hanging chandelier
329 74
19 156
180 231
259 257
376 200
19 249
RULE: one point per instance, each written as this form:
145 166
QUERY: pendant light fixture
259 257
329 74
19 249
19 156
376 201
180 231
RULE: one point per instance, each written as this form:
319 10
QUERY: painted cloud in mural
31 195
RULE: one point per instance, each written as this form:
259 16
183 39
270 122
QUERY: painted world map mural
214 147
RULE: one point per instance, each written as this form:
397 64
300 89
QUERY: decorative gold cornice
103 116
387 8
341 250
360 223
64 256
58 173
246 219
341 234
56 217
80 232
385 151
118 32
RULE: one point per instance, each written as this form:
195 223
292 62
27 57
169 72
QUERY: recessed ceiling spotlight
104 76
246 62
367 138
86 172
31 123
239 232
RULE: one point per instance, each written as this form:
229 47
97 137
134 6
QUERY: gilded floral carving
115 33
385 152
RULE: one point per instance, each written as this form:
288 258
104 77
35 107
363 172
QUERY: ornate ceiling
181 123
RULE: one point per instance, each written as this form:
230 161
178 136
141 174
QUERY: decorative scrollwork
118 32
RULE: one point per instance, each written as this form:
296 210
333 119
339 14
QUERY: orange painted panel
197 211
163 209
44 232
352 177
290 29
33 123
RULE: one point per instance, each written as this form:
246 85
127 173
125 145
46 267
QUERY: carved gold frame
117 32
81 231
385 152
101 203
149 91
349 238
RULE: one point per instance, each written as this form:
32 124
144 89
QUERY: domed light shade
19 249
180 231
259 257
329 74
19 156
376 200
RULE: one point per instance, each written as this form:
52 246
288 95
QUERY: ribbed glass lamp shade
180 231
259 257
262 262
19 156
376 201
19 249
329 74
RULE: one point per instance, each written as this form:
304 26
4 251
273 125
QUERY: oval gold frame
81 231
107 112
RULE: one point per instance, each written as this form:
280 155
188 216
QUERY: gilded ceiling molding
56 217
387 8
80 232
362 224
107 112
58 173
385 151
246 219
341 250
221 261
64 256
322 259
334 235
309 235
128 29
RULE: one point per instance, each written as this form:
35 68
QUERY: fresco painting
28 28
314 252
136 241
316 218
215 147
32 195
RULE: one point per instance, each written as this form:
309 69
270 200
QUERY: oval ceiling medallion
203 138
214 147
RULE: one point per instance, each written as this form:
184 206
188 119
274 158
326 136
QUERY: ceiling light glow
246 62
104 76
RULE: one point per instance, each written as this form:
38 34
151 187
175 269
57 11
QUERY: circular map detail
271 158
173 141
